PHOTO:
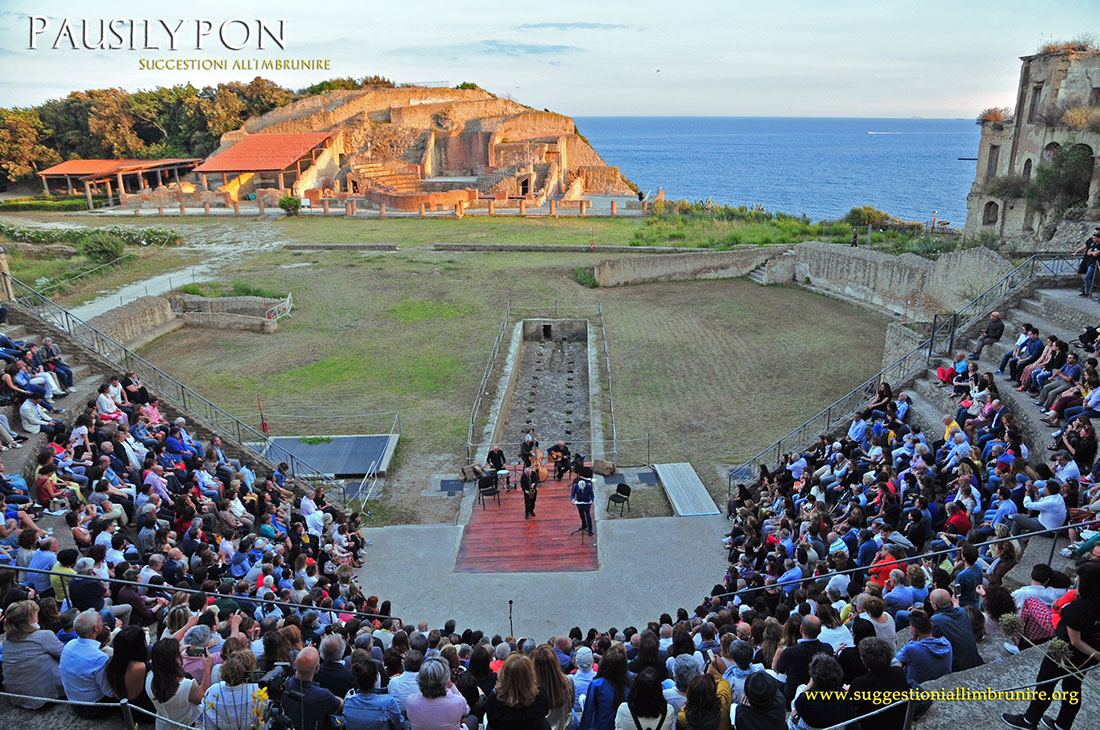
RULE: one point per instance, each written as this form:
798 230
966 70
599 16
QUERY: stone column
553 209
206 208
614 208
236 207
160 210
522 207
492 207
381 210
5 280
88 192
183 210
324 206
421 209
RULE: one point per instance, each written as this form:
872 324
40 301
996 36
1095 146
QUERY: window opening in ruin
994 160
1033 111
989 215
546 334
1027 169
1094 96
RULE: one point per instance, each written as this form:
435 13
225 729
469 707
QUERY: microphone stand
511 630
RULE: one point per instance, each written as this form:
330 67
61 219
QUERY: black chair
621 497
487 487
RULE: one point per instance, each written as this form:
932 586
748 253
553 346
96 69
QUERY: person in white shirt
1051 507
1041 574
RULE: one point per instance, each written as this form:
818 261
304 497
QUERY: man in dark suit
795 660
333 674
582 497
530 493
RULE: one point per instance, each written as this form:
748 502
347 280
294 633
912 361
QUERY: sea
822 168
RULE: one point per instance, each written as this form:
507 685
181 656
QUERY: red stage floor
498 540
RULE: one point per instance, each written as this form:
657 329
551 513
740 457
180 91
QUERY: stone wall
701 265
251 306
222 321
900 340
533 125
139 322
603 180
452 115
410 202
900 284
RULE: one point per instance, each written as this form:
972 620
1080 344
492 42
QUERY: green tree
1065 181
67 120
110 120
22 148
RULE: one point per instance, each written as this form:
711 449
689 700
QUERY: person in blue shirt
607 691
83 668
791 580
968 580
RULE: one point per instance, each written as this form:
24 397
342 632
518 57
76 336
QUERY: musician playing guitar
583 496
558 455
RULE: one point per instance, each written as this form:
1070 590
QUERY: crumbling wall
250 306
452 115
238 322
603 180
411 202
138 322
674 267
534 125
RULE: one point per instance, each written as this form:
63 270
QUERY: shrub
290 204
1082 118
244 289
1064 182
995 115
1006 186
193 289
1083 42
585 276
468 85
130 236
102 247
866 215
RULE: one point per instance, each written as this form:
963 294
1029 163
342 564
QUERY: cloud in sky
485 48
572 26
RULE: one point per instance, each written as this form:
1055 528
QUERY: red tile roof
98 168
266 152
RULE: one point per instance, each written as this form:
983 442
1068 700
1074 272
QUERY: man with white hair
83 668
87 591
333 675
992 333
156 562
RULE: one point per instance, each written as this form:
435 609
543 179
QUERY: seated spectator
438 704
763 707
881 680
825 676
953 623
645 706
607 691
232 703
31 656
708 703
83 667
368 708
925 657
794 662
305 702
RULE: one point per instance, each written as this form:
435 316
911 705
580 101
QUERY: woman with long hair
792 632
649 655
559 688
31 656
479 668
608 690
128 665
706 704
646 707
769 644
175 696
518 703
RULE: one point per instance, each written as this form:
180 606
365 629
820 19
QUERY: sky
791 58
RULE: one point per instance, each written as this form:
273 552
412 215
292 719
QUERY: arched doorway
990 214
1027 169
1048 152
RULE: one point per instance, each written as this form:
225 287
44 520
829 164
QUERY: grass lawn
712 370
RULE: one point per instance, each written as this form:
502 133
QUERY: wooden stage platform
498 540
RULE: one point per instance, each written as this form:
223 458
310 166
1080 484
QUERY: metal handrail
68 578
907 365
282 309
904 561
610 392
481 390
164 384
58 283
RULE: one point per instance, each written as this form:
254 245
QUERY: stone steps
759 275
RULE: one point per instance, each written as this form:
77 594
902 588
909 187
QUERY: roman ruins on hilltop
414 149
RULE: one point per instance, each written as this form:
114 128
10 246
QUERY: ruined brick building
1011 149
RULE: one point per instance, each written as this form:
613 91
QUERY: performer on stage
530 489
528 448
497 464
582 497
558 454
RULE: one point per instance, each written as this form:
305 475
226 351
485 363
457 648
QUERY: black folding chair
487 487
621 497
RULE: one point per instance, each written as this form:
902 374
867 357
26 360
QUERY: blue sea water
820 167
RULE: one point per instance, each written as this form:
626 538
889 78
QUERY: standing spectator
1079 628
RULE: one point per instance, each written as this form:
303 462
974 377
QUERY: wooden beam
68 185
88 192
225 179
109 191
45 186
205 183
121 185
282 185
176 174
